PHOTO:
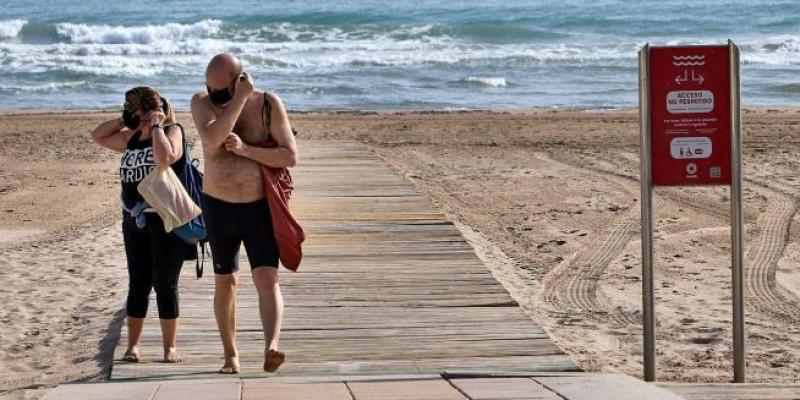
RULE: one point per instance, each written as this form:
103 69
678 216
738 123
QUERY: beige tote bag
163 191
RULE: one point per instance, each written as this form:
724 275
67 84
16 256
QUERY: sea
379 55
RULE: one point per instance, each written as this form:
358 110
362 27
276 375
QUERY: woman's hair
146 98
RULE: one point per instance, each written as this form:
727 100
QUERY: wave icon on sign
688 61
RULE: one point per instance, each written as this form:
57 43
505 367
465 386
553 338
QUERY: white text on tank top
136 164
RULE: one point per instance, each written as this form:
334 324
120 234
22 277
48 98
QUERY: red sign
690 115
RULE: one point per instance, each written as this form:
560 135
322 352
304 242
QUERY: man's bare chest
251 130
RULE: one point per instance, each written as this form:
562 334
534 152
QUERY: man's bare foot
131 355
230 367
273 360
171 356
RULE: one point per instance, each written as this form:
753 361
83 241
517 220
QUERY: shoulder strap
200 262
175 124
183 132
266 111
187 156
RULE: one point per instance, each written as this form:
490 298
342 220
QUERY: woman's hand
153 118
234 144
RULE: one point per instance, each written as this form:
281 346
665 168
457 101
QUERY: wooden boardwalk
387 286
391 303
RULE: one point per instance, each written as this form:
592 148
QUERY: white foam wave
292 32
10 28
189 47
492 81
324 56
41 88
149 34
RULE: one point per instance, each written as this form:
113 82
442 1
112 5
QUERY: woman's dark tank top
137 161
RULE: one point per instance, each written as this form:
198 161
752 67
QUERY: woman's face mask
131 120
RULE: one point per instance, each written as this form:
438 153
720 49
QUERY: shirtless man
231 117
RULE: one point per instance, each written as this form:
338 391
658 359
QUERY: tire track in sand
587 282
573 283
762 291
761 261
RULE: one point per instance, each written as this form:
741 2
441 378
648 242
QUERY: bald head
222 70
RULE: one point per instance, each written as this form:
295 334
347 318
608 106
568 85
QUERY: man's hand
244 86
234 144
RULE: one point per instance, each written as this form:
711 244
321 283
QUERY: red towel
289 234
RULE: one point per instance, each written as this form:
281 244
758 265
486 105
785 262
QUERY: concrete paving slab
503 389
605 387
438 389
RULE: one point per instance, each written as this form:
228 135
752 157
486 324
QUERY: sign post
689 106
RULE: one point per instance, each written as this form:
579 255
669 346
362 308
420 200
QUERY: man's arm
284 155
213 130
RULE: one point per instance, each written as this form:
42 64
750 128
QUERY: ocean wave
10 28
787 88
297 45
86 67
134 59
498 32
783 50
773 51
41 88
149 34
490 33
298 32
368 60
304 57
491 81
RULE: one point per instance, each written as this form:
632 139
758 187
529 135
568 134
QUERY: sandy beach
548 197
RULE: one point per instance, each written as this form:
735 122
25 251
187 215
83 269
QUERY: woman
147 136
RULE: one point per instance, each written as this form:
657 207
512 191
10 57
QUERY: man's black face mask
220 96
